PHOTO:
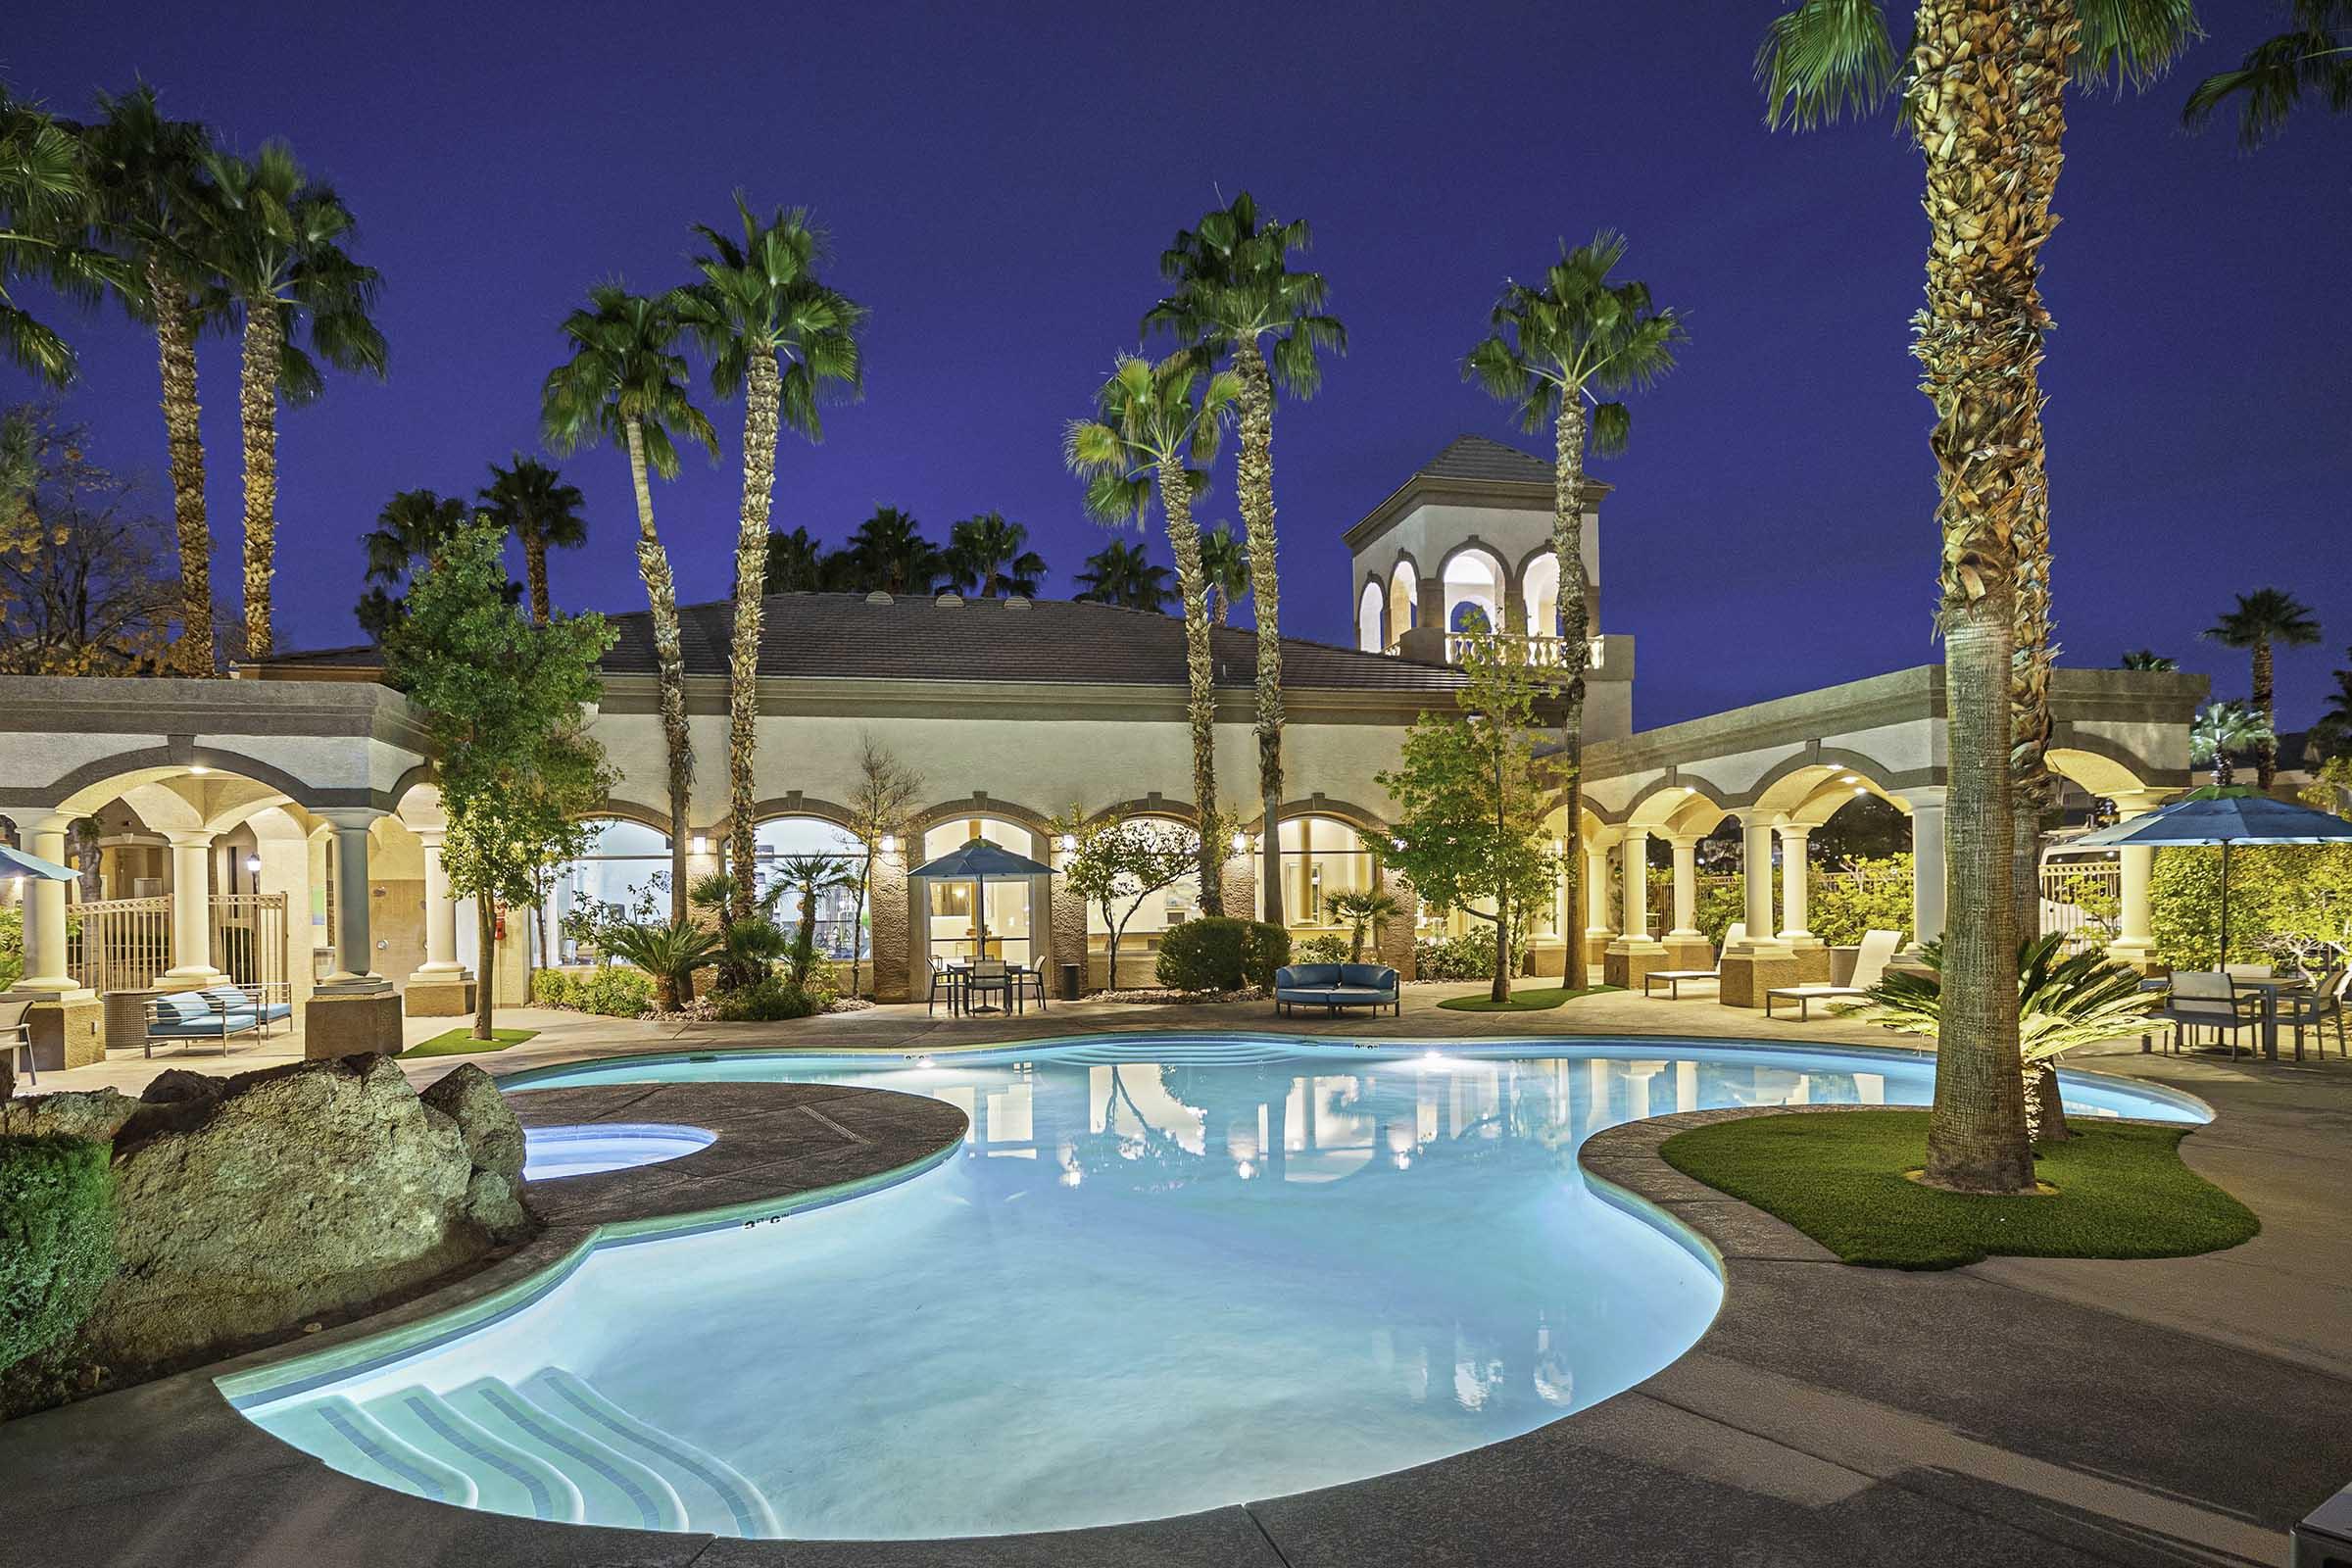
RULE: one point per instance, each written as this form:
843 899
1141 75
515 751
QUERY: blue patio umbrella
977 861
16 863
2223 815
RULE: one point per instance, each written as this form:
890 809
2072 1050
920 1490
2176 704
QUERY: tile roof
1474 456
1050 640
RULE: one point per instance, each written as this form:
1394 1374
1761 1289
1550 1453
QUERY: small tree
811 876
881 806
1472 799
1362 911
502 701
1118 864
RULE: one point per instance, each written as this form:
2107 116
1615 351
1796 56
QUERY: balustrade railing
125 944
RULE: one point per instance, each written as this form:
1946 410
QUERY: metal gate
249 937
125 944
2081 899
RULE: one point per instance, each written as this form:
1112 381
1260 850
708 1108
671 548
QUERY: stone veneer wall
1397 939
892 916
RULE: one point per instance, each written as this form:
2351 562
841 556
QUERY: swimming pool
1163 1273
550 1154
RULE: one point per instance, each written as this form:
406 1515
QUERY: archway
953 914
1404 601
1474 580
1371 619
623 875
840 932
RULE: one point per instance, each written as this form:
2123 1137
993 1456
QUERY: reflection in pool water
1167 1273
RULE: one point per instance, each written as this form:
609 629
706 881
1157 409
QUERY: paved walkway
2022 1411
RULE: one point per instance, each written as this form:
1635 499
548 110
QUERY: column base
1628 958
1753 969
187 980
351 1024
2139 955
439 996
1596 947
1688 951
68 1030
1550 957
1812 961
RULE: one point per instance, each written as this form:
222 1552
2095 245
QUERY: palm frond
1823 57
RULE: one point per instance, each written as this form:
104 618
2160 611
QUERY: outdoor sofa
217 1013
1332 986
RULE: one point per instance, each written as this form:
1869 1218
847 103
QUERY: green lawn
2121 1192
460 1042
1534 1000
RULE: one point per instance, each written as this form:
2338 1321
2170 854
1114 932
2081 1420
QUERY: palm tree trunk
1200 673
1973 339
2266 750
257 409
763 395
176 348
1253 478
534 572
1576 642
669 664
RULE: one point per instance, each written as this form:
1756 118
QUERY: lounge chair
2207 999
1674 978
16 1034
1870 966
1332 986
217 1013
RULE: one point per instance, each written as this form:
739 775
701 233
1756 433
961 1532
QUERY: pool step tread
717 1495
508 1479
614 1488
353 1441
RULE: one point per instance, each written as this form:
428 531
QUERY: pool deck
2038 1412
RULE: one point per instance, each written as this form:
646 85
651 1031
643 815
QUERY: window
625 875
840 932
1473 581
955 920
1321 856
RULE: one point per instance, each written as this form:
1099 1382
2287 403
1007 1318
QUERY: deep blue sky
1000 183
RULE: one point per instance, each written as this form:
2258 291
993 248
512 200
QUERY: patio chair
2316 1006
2206 998
988 976
1674 978
1870 967
947 980
16 1034
1025 980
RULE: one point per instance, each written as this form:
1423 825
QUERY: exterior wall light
1069 843
1241 842
700 844
890 843
199 769
252 863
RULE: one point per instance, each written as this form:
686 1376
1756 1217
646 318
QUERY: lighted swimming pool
552 1152
1162 1273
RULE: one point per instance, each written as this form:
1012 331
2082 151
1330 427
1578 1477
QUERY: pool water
552 1152
1162 1274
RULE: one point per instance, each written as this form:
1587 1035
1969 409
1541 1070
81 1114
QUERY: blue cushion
1309 975
203 1024
1372 976
225 999
276 1010
184 1004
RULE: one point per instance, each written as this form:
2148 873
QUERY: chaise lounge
1332 986
216 1013
1673 979
1870 967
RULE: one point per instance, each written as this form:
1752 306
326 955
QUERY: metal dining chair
15 1034
2316 1006
2206 998
946 979
989 976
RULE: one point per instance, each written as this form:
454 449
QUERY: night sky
999 183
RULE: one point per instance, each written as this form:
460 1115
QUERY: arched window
1321 856
1370 624
1539 589
840 930
1473 581
953 919
624 875
1404 602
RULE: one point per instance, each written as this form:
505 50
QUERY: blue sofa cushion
225 999
1335 995
181 1006
1308 975
1370 976
202 1025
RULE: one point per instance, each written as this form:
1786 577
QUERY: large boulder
493 1137
246 1205
94 1113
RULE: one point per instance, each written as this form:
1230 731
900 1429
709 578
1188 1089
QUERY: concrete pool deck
2023 1410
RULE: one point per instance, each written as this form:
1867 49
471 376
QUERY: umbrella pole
980 912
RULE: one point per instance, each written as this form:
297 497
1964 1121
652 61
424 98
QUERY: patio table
2270 988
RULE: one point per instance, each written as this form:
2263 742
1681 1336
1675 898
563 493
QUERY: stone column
1068 924
66 1020
1760 960
1395 939
442 988
2133 944
1636 952
355 1010
1596 932
1686 947
1812 953
892 912
191 912
1927 868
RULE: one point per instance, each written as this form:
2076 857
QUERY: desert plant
57 1239
1364 911
668 954
771 1001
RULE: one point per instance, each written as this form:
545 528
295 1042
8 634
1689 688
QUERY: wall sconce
1559 846
252 863
1069 843
700 844
890 843
1241 842
199 769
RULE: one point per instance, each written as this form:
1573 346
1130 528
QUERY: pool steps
550 1447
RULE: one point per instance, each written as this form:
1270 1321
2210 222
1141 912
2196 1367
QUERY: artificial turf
1840 1177
1536 1001
460 1042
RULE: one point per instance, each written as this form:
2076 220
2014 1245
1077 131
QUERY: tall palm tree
1120 574
794 562
1224 567
889 554
778 334
1148 431
48 206
626 379
154 206
276 239
1236 297
2149 658
413 525
1979 328
532 502
2262 620
2222 731
1556 348
2312 56
986 553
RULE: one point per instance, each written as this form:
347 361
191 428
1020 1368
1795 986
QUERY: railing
2081 899
125 944
249 937
1546 652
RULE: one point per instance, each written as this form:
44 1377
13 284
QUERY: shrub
57 1239
553 988
1468 956
822 982
669 952
1329 948
1216 953
771 1001
615 993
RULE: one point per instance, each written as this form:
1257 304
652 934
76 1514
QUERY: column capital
352 818
190 838
1926 797
431 838
1794 830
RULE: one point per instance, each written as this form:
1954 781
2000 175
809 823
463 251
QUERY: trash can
1069 982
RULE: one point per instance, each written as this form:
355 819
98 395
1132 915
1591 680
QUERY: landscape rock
494 1203
97 1113
493 1136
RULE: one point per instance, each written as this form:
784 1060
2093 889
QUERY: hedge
57 1239
1217 953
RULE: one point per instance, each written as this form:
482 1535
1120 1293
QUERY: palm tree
154 208
415 525
625 378
1235 295
775 332
2222 732
1120 574
985 551
2150 659
1224 567
2328 735
276 239
1557 348
48 205
2263 620
888 554
2312 56
794 562
1149 431
531 502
